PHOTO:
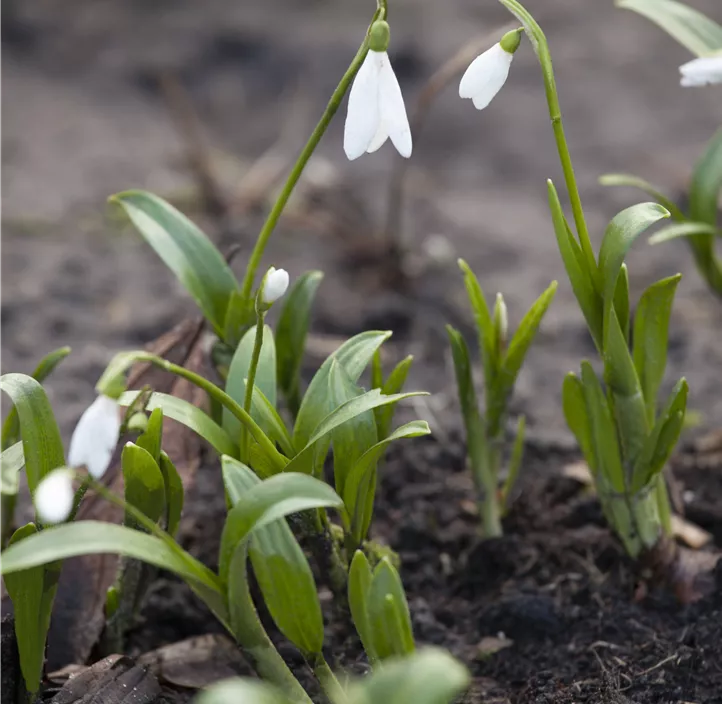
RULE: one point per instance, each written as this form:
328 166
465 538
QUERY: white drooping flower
702 72
376 109
488 73
276 285
54 496
95 436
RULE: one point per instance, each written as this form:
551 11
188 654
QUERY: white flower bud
275 286
54 496
501 318
95 436
702 72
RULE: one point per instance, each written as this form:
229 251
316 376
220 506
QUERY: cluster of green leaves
502 362
699 222
625 441
429 676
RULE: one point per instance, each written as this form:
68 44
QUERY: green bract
502 361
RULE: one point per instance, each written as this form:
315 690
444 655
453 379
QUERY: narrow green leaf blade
652 191
684 229
189 415
707 180
621 301
12 460
42 445
688 26
359 587
185 250
577 417
394 384
271 421
152 438
517 455
174 493
144 484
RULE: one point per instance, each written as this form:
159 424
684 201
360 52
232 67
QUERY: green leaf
291 333
270 500
619 236
580 278
621 301
26 592
174 493
663 438
46 366
684 229
185 250
359 587
144 484
604 437
42 445
352 438
393 385
707 179
388 613
189 415
271 421
238 373
651 325
354 356
94 537
517 454
575 413
240 316
281 568
637 182
688 26
302 462
152 438
484 323
361 481
241 691
429 676
12 460
524 336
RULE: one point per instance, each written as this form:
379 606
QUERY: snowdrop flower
54 496
488 73
95 436
701 72
376 108
275 285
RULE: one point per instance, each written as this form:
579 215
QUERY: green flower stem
225 400
541 47
333 105
251 381
331 686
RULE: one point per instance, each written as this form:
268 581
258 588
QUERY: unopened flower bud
54 496
275 285
501 319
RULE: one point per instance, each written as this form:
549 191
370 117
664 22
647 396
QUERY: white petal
382 134
95 436
276 285
54 496
393 110
362 118
701 72
485 76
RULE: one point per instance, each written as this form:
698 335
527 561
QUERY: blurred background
208 103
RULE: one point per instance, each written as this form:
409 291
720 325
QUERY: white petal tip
276 285
54 496
95 436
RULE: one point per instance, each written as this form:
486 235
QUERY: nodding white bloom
376 108
276 285
54 496
95 436
702 72
488 73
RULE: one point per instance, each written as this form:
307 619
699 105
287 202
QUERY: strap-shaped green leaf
270 419
12 460
663 438
93 537
42 445
354 356
151 439
707 180
189 415
388 613
621 301
144 484
652 191
360 483
186 251
393 385
46 366
242 691
581 279
291 333
359 587
429 676
238 373
684 229
517 455
268 501
577 417
651 325
281 568
688 26
174 493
